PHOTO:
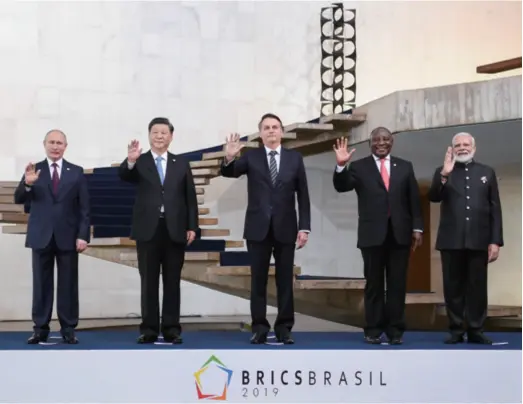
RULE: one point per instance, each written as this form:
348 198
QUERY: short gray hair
55 130
473 141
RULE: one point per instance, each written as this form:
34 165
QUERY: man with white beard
470 235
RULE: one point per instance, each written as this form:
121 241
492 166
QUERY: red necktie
384 174
55 178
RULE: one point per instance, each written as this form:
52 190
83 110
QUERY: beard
464 158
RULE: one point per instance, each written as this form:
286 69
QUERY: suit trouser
43 288
388 263
260 254
160 254
465 289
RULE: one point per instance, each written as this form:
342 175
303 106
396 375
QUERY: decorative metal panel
338 59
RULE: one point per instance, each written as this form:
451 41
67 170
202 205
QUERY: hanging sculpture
338 59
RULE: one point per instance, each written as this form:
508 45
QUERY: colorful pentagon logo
213 380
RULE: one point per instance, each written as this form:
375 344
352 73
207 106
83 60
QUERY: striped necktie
273 167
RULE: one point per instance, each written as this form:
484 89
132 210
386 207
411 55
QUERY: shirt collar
164 155
59 163
387 157
277 150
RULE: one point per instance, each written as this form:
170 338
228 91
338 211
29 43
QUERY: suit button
467 218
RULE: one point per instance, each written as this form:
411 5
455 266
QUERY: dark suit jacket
470 211
375 202
268 202
65 216
177 194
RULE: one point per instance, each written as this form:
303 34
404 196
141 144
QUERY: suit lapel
374 169
65 178
169 167
393 176
45 176
265 165
284 164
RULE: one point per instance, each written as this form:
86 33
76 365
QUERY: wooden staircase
334 299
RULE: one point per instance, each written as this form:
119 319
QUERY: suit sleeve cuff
417 231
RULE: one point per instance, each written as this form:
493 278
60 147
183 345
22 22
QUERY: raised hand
343 155
31 175
232 146
448 163
133 151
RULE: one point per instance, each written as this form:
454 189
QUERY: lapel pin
67 168
174 159
394 164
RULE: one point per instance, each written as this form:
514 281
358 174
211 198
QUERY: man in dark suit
165 221
55 193
390 223
275 177
470 235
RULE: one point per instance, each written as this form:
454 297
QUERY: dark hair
161 121
270 115
379 129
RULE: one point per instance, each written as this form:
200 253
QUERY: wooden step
7 217
242 270
208 221
321 284
424 298
200 199
203 211
210 233
189 256
206 163
11 207
7 198
8 184
215 233
310 129
206 172
344 122
255 137
7 192
200 191
202 181
15 229
127 242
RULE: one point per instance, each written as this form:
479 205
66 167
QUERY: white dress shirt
277 156
59 163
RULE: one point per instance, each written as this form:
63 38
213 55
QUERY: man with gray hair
470 235
55 192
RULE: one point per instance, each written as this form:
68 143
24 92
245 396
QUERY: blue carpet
240 340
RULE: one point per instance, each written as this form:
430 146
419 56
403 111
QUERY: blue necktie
159 168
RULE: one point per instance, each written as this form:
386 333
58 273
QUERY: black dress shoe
286 338
372 340
70 339
36 339
478 338
455 339
147 339
172 339
395 341
259 337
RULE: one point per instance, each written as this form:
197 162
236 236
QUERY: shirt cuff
130 165
417 231
305 231
339 169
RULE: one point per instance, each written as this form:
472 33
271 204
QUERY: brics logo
213 380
